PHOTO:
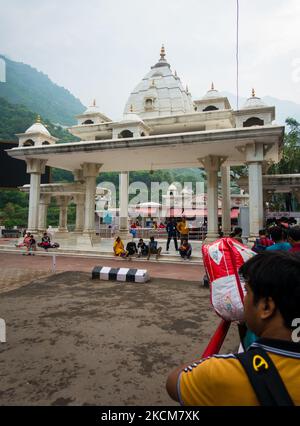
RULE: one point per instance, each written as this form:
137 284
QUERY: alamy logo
2 71
296 331
2 331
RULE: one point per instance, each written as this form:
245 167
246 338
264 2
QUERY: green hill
27 86
17 118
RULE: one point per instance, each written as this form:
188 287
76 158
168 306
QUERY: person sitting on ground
46 243
294 238
185 249
142 248
262 242
183 229
237 234
118 248
278 238
131 249
271 304
153 249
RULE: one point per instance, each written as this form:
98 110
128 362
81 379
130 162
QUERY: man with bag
268 372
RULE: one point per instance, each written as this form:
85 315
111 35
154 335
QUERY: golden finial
38 119
253 93
94 102
131 108
212 86
162 52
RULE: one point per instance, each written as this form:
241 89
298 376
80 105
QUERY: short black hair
237 230
276 274
294 233
276 233
262 232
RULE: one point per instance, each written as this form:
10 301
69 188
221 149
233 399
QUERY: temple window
126 134
88 122
210 108
253 121
29 142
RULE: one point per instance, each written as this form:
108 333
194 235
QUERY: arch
126 134
253 121
88 122
149 103
29 142
210 108
45 143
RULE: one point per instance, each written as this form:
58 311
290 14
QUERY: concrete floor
74 341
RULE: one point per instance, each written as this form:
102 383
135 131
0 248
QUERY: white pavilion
162 127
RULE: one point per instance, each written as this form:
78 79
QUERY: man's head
238 231
141 240
272 298
276 234
262 232
294 234
184 241
152 238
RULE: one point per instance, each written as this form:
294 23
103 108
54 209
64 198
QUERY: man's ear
267 308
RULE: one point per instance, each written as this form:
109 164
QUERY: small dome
38 127
253 102
92 109
172 187
212 93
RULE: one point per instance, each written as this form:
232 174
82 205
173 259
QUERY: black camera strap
264 378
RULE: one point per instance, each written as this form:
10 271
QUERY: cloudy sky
102 48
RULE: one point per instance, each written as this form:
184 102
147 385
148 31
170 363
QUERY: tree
290 161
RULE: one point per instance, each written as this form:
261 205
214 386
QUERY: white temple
162 128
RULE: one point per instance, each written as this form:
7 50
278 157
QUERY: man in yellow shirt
183 229
272 311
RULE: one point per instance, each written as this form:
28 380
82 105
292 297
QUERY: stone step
164 258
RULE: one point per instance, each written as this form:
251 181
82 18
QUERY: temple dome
159 93
254 102
212 93
92 109
38 127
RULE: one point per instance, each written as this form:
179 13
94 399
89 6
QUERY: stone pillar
79 201
90 172
35 167
62 202
212 164
254 159
43 209
226 200
123 204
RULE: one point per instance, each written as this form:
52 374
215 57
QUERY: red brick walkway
180 271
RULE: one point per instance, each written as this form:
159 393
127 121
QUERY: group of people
30 244
278 238
138 250
174 230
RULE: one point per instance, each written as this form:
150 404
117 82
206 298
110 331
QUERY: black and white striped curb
120 274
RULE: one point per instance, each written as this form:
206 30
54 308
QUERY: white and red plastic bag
222 260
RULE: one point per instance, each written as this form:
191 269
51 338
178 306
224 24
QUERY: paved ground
43 263
72 340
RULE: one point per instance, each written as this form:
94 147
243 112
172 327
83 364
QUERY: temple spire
162 53
94 102
253 93
212 86
38 119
